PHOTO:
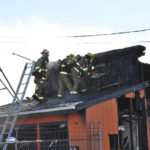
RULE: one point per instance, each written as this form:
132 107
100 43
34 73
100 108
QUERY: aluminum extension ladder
20 93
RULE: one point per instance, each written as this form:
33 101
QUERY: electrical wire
112 42
107 34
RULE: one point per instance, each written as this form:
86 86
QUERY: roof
72 103
121 78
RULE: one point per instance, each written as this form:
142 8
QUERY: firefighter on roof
90 60
64 78
40 73
92 70
76 74
85 73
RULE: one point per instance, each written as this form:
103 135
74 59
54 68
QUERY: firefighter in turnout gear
64 78
85 74
90 61
40 73
92 70
89 57
76 72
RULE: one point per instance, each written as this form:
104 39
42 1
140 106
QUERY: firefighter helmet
78 57
71 55
45 51
90 54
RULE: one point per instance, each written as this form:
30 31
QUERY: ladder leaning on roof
18 94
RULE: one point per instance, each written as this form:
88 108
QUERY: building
113 115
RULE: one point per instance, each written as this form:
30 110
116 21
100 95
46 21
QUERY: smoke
52 83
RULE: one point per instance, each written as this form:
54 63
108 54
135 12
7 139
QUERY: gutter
42 111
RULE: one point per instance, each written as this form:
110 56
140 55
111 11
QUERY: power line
144 41
106 34
112 42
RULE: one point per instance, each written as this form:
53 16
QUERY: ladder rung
6 132
30 63
9 122
26 74
23 83
20 93
2 88
29 66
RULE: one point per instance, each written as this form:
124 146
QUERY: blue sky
117 14
29 26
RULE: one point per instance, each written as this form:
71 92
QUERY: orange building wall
106 113
77 131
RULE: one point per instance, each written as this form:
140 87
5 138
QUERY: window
55 136
24 133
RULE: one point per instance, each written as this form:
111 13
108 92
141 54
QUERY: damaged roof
72 103
119 84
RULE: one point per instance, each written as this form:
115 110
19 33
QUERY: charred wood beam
137 51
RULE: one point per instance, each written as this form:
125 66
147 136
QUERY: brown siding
106 113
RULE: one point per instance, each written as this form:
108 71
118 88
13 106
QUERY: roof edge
42 111
113 95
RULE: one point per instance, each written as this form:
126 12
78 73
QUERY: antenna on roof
22 57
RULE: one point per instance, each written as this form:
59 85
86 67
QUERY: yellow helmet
71 55
90 54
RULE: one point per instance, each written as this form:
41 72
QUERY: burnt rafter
133 51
